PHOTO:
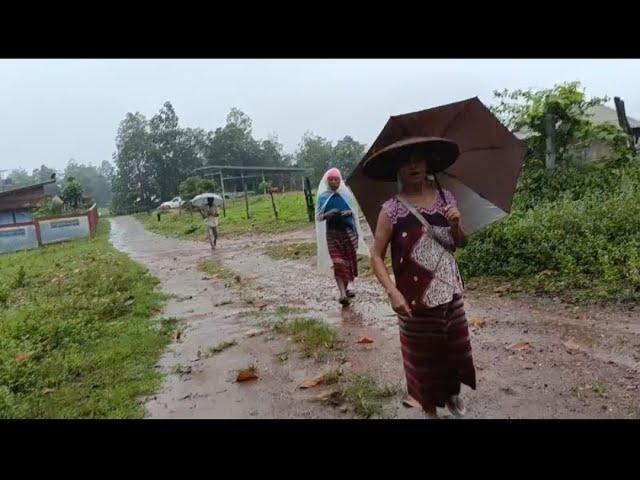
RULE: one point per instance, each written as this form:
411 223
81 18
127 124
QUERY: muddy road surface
535 358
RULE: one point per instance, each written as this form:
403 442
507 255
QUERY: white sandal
452 406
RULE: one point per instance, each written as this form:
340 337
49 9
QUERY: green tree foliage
72 192
574 229
94 183
193 186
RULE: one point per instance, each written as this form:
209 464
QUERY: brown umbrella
484 176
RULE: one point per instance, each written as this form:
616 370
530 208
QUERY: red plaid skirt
436 353
343 245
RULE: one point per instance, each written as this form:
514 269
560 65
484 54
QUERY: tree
316 154
193 186
134 188
18 178
234 144
164 151
71 192
94 183
346 154
42 174
568 107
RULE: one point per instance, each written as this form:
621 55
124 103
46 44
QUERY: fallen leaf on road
312 382
22 357
47 390
572 345
411 403
479 322
254 332
521 347
365 340
247 374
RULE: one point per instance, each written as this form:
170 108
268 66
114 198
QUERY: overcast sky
54 110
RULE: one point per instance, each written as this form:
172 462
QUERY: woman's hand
330 214
453 215
399 303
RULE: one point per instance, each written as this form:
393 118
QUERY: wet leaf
572 345
478 322
247 374
22 357
365 340
254 332
411 403
312 382
521 347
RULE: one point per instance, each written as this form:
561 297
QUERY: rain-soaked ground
569 362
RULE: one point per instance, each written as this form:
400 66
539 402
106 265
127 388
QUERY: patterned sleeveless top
416 256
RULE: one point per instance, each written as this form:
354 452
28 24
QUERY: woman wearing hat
422 225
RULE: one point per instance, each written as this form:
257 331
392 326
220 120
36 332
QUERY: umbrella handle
444 200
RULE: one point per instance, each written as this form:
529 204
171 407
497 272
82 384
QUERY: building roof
13 191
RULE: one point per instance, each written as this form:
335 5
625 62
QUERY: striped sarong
436 353
342 250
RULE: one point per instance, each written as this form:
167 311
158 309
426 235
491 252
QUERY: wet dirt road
571 362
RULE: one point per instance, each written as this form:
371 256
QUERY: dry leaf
546 273
411 403
365 340
502 288
246 375
22 357
254 332
521 347
47 390
571 345
312 382
479 322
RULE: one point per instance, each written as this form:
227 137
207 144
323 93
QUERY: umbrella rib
455 117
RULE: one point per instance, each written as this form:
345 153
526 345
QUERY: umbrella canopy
202 199
484 176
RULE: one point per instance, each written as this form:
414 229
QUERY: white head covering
325 265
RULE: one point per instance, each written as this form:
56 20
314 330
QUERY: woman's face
334 183
414 170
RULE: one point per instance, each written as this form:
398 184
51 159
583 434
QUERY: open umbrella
202 199
484 176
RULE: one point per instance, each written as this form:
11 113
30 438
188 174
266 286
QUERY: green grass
292 214
364 394
214 268
291 251
361 391
314 336
76 335
599 388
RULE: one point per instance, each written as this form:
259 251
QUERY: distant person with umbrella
209 211
338 235
427 173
